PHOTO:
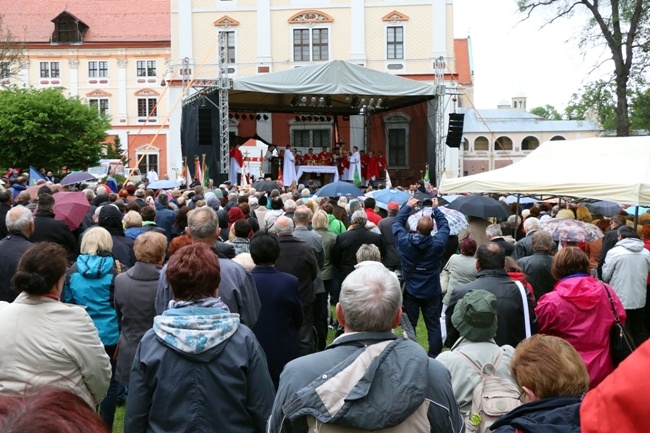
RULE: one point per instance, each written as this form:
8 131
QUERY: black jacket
297 258
538 273
391 259
557 415
609 241
4 209
47 229
510 310
12 248
344 251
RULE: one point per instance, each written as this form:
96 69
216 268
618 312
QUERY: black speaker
205 126
455 133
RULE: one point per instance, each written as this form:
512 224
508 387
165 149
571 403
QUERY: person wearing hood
110 218
49 229
90 283
578 310
553 379
421 254
369 378
626 268
198 368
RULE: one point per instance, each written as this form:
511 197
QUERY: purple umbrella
77 177
71 208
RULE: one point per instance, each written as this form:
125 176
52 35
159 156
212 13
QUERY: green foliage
114 150
595 101
547 112
43 128
640 110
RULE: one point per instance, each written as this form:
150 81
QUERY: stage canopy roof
335 87
615 169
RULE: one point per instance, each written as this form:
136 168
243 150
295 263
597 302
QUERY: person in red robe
364 164
383 165
325 158
309 158
236 164
373 167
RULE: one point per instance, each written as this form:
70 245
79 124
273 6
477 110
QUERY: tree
623 26
547 112
43 128
11 52
640 110
595 101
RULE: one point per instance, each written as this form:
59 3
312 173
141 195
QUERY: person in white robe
355 164
289 167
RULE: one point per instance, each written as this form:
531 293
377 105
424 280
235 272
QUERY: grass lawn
118 425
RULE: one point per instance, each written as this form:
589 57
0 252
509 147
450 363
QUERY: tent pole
636 216
514 230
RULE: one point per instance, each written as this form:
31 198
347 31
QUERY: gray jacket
314 240
380 380
626 268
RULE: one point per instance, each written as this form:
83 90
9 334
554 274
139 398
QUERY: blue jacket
198 370
421 254
556 415
91 284
165 219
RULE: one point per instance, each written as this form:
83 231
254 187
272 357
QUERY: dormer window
68 29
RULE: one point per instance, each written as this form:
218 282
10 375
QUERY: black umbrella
481 207
265 186
603 207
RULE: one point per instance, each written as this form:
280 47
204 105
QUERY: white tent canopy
338 81
615 169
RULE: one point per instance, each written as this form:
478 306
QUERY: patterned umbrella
457 221
570 230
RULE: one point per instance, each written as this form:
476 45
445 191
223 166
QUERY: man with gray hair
494 234
298 259
367 362
344 251
20 226
524 247
537 267
237 288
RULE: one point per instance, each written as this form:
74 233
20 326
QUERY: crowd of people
209 307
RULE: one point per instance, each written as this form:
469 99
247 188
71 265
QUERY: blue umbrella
163 184
77 177
387 195
522 200
632 210
606 208
337 189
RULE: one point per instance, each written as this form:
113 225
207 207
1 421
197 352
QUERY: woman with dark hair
180 224
51 410
199 368
44 341
578 310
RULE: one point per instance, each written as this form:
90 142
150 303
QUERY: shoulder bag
620 340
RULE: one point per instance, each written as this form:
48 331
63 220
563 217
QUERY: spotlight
237 116
355 102
322 119
310 118
303 118
258 117
379 101
329 119
294 101
363 101
265 117
313 102
328 101
297 118
229 115
321 101
303 101
244 117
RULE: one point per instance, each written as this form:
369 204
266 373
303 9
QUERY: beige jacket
45 342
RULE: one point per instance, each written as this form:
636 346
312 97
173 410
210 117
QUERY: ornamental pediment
310 16
226 21
146 92
98 93
395 16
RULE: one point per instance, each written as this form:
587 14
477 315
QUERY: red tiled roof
108 20
461 50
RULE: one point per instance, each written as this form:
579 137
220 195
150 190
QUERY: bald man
421 253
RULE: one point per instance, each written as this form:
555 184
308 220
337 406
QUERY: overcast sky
509 57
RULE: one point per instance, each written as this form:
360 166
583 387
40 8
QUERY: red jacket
372 216
617 404
579 311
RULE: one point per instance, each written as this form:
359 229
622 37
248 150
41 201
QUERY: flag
186 172
426 174
206 173
389 184
280 174
357 179
197 170
35 176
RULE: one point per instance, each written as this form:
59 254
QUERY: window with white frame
394 42
311 136
5 70
146 68
50 70
149 159
230 45
310 45
100 104
397 138
147 106
98 69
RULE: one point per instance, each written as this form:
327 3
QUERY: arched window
481 144
558 138
502 143
529 143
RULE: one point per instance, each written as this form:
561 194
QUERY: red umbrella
71 208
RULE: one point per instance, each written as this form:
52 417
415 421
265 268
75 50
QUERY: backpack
493 396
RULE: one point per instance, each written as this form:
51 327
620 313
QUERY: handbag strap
611 303
524 300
